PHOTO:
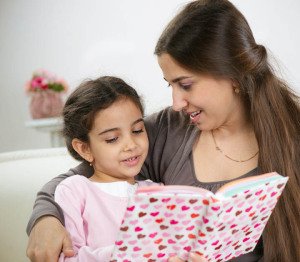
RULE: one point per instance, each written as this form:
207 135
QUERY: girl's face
210 102
118 142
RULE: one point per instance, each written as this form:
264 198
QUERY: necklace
232 159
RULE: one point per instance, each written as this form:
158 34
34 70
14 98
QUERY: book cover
163 221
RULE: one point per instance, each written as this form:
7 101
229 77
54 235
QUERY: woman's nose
179 102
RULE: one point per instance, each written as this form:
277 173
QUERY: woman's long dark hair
212 36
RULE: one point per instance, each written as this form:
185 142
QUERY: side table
50 125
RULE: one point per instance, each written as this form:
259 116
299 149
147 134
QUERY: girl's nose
179 102
130 144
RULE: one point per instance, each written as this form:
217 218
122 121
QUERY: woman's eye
138 131
112 140
185 86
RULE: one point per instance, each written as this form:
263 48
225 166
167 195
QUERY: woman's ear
236 86
83 149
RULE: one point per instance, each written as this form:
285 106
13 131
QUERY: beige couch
22 174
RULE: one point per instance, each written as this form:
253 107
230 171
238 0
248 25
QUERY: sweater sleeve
71 198
45 205
88 254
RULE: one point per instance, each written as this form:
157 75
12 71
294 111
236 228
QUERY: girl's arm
72 198
47 235
88 254
45 205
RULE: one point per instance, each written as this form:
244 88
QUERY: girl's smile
132 161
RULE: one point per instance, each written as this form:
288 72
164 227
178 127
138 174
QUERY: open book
163 221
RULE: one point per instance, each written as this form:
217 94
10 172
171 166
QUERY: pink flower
39 83
43 80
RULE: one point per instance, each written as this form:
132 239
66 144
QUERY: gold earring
235 86
90 162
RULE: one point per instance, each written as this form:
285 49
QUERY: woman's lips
195 116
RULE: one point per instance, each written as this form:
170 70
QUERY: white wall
78 39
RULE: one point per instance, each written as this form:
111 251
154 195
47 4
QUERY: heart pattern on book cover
157 226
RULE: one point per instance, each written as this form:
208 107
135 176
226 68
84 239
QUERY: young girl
103 125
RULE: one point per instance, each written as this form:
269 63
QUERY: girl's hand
192 258
47 240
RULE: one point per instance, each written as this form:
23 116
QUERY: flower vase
45 104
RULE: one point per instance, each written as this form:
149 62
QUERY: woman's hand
192 258
47 240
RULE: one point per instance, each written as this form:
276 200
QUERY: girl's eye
138 131
112 140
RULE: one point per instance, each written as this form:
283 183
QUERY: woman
232 117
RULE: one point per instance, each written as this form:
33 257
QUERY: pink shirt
92 216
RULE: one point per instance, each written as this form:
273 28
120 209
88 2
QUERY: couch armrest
22 174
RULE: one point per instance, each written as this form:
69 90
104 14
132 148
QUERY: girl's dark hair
88 99
212 36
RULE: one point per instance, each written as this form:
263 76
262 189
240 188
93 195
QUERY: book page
174 189
241 185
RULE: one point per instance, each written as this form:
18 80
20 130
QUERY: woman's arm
45 205
47 235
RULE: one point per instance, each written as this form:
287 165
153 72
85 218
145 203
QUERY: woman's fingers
192 258
196 258
47 240
175 259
